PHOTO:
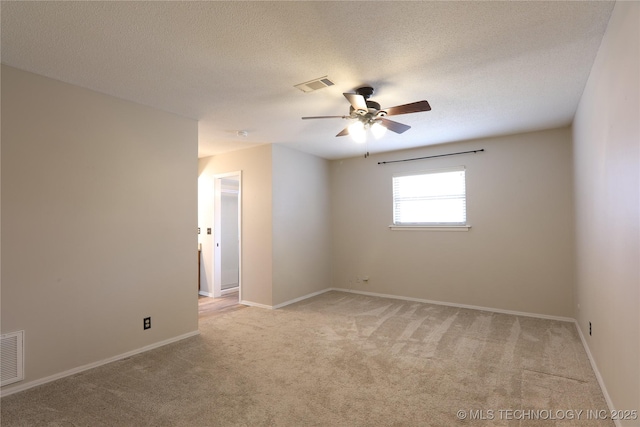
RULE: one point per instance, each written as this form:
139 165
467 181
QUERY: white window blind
430 198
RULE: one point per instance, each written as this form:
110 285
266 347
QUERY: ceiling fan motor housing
365 91
373 107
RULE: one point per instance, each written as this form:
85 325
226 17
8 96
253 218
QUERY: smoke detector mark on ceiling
314 84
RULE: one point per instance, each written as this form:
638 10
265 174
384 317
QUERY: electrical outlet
147 323
589 328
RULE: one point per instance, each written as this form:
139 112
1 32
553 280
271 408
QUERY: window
433 198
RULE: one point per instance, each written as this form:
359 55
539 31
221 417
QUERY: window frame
429 226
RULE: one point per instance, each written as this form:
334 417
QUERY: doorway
227 231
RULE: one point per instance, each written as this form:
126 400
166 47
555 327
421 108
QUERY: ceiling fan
368 115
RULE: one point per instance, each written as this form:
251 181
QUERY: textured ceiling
486 68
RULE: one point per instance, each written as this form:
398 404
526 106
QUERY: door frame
217 225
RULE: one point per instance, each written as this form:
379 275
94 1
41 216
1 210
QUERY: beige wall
607 174
301 224
98 220
517 256
285 221
256 204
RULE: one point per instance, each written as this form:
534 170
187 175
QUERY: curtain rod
431 157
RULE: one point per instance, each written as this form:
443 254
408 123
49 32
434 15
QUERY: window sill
430 227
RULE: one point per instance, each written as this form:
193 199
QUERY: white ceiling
487 68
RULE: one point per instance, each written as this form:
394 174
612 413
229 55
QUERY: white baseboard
607 398
283 304
256 304
302 298
229 291
223 292
452 304
86 367
426 301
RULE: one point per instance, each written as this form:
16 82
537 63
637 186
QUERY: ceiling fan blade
344 132
325 117
357 101
414 107
394 126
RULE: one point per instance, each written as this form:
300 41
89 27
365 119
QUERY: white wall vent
12 357
314 84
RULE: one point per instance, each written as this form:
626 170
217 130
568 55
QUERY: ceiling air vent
314 84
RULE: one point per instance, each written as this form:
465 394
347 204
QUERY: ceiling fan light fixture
358 132
378 130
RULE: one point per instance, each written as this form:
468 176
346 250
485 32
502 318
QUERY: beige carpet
338 359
